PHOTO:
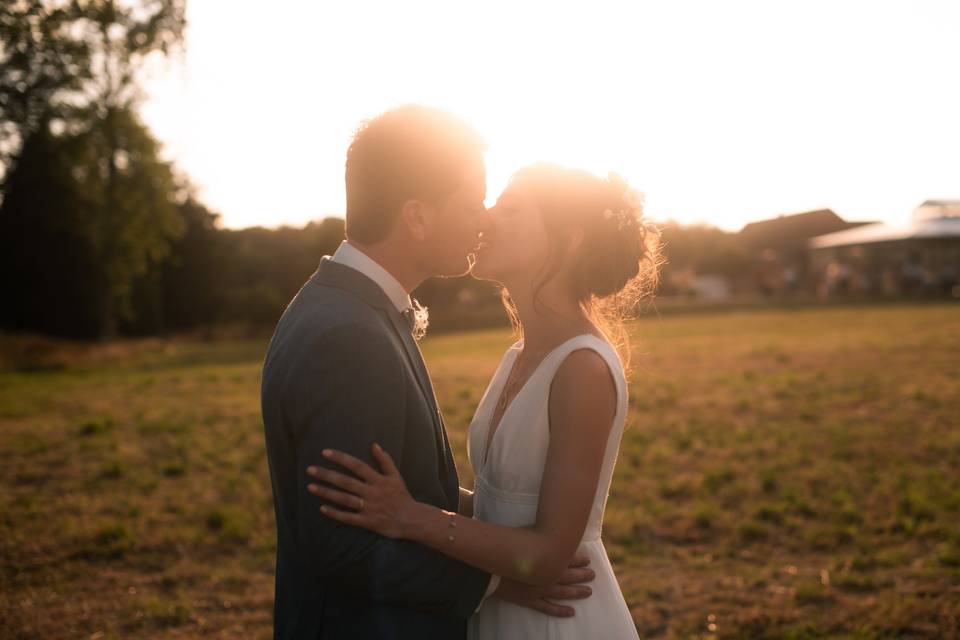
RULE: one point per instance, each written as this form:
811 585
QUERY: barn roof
791 231
947 227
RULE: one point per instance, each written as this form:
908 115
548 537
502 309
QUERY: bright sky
721 112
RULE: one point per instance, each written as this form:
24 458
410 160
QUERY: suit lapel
331 273
415 357
449 469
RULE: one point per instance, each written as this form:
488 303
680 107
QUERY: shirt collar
348 255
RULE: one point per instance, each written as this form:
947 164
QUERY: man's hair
411 152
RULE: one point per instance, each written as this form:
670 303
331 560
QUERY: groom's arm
345 392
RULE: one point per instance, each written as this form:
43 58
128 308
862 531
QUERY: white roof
937 209
947 227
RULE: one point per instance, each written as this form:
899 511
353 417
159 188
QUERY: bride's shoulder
599 345
585 388
585 361
591 356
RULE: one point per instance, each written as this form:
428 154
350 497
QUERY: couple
376 539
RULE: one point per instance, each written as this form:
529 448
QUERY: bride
573 255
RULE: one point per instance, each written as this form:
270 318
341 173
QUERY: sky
719 112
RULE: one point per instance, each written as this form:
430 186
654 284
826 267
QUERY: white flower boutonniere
421 320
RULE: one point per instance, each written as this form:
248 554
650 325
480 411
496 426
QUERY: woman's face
514 246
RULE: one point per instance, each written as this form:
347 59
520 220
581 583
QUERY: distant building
710 287
932 209
707 286
921 257
782 258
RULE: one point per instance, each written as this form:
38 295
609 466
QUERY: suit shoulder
321 308
327 320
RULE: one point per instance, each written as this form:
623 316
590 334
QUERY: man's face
457 225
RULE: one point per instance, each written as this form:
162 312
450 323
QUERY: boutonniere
421 320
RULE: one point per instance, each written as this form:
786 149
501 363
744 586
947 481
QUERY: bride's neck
549 315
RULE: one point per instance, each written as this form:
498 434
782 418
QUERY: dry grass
786 474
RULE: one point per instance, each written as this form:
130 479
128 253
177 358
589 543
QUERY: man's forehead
474 180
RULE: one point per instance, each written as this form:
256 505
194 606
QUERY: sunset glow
719 112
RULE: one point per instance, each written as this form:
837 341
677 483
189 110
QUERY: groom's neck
394 259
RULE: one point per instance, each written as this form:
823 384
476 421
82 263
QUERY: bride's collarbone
524 366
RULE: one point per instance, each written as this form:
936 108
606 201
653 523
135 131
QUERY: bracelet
452 523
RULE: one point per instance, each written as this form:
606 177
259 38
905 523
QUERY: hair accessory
630 214
625 217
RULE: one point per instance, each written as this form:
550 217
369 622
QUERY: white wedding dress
507 490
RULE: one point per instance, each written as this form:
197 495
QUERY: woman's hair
617 265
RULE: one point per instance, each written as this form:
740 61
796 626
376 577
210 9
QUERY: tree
132 228
67 255
192 277
44 64
70 72
127 197
47 270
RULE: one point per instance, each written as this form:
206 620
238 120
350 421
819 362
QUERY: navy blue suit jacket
343 371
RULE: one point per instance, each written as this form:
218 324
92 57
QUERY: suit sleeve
345 392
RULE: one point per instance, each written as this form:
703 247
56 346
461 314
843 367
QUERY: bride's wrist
428 525
416 520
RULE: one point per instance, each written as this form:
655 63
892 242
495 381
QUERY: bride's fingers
580 559
340 497
359 467
338 479
567 592
552 609
576 576
385 460
346 517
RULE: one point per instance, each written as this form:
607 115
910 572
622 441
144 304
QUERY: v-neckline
489 436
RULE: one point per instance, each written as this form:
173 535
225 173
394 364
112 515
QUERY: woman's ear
415 217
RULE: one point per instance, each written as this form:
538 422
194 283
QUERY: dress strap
609 355
592 342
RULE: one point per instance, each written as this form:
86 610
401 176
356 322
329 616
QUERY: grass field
785 474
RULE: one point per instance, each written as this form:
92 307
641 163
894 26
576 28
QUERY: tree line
101 237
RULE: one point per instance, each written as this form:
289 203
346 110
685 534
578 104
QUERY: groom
343 371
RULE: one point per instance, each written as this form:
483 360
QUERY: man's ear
415 214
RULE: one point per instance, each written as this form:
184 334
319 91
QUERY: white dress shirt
348 255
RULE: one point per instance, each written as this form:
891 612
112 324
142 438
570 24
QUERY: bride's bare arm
582 407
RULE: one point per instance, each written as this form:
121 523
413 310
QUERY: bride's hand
378 501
